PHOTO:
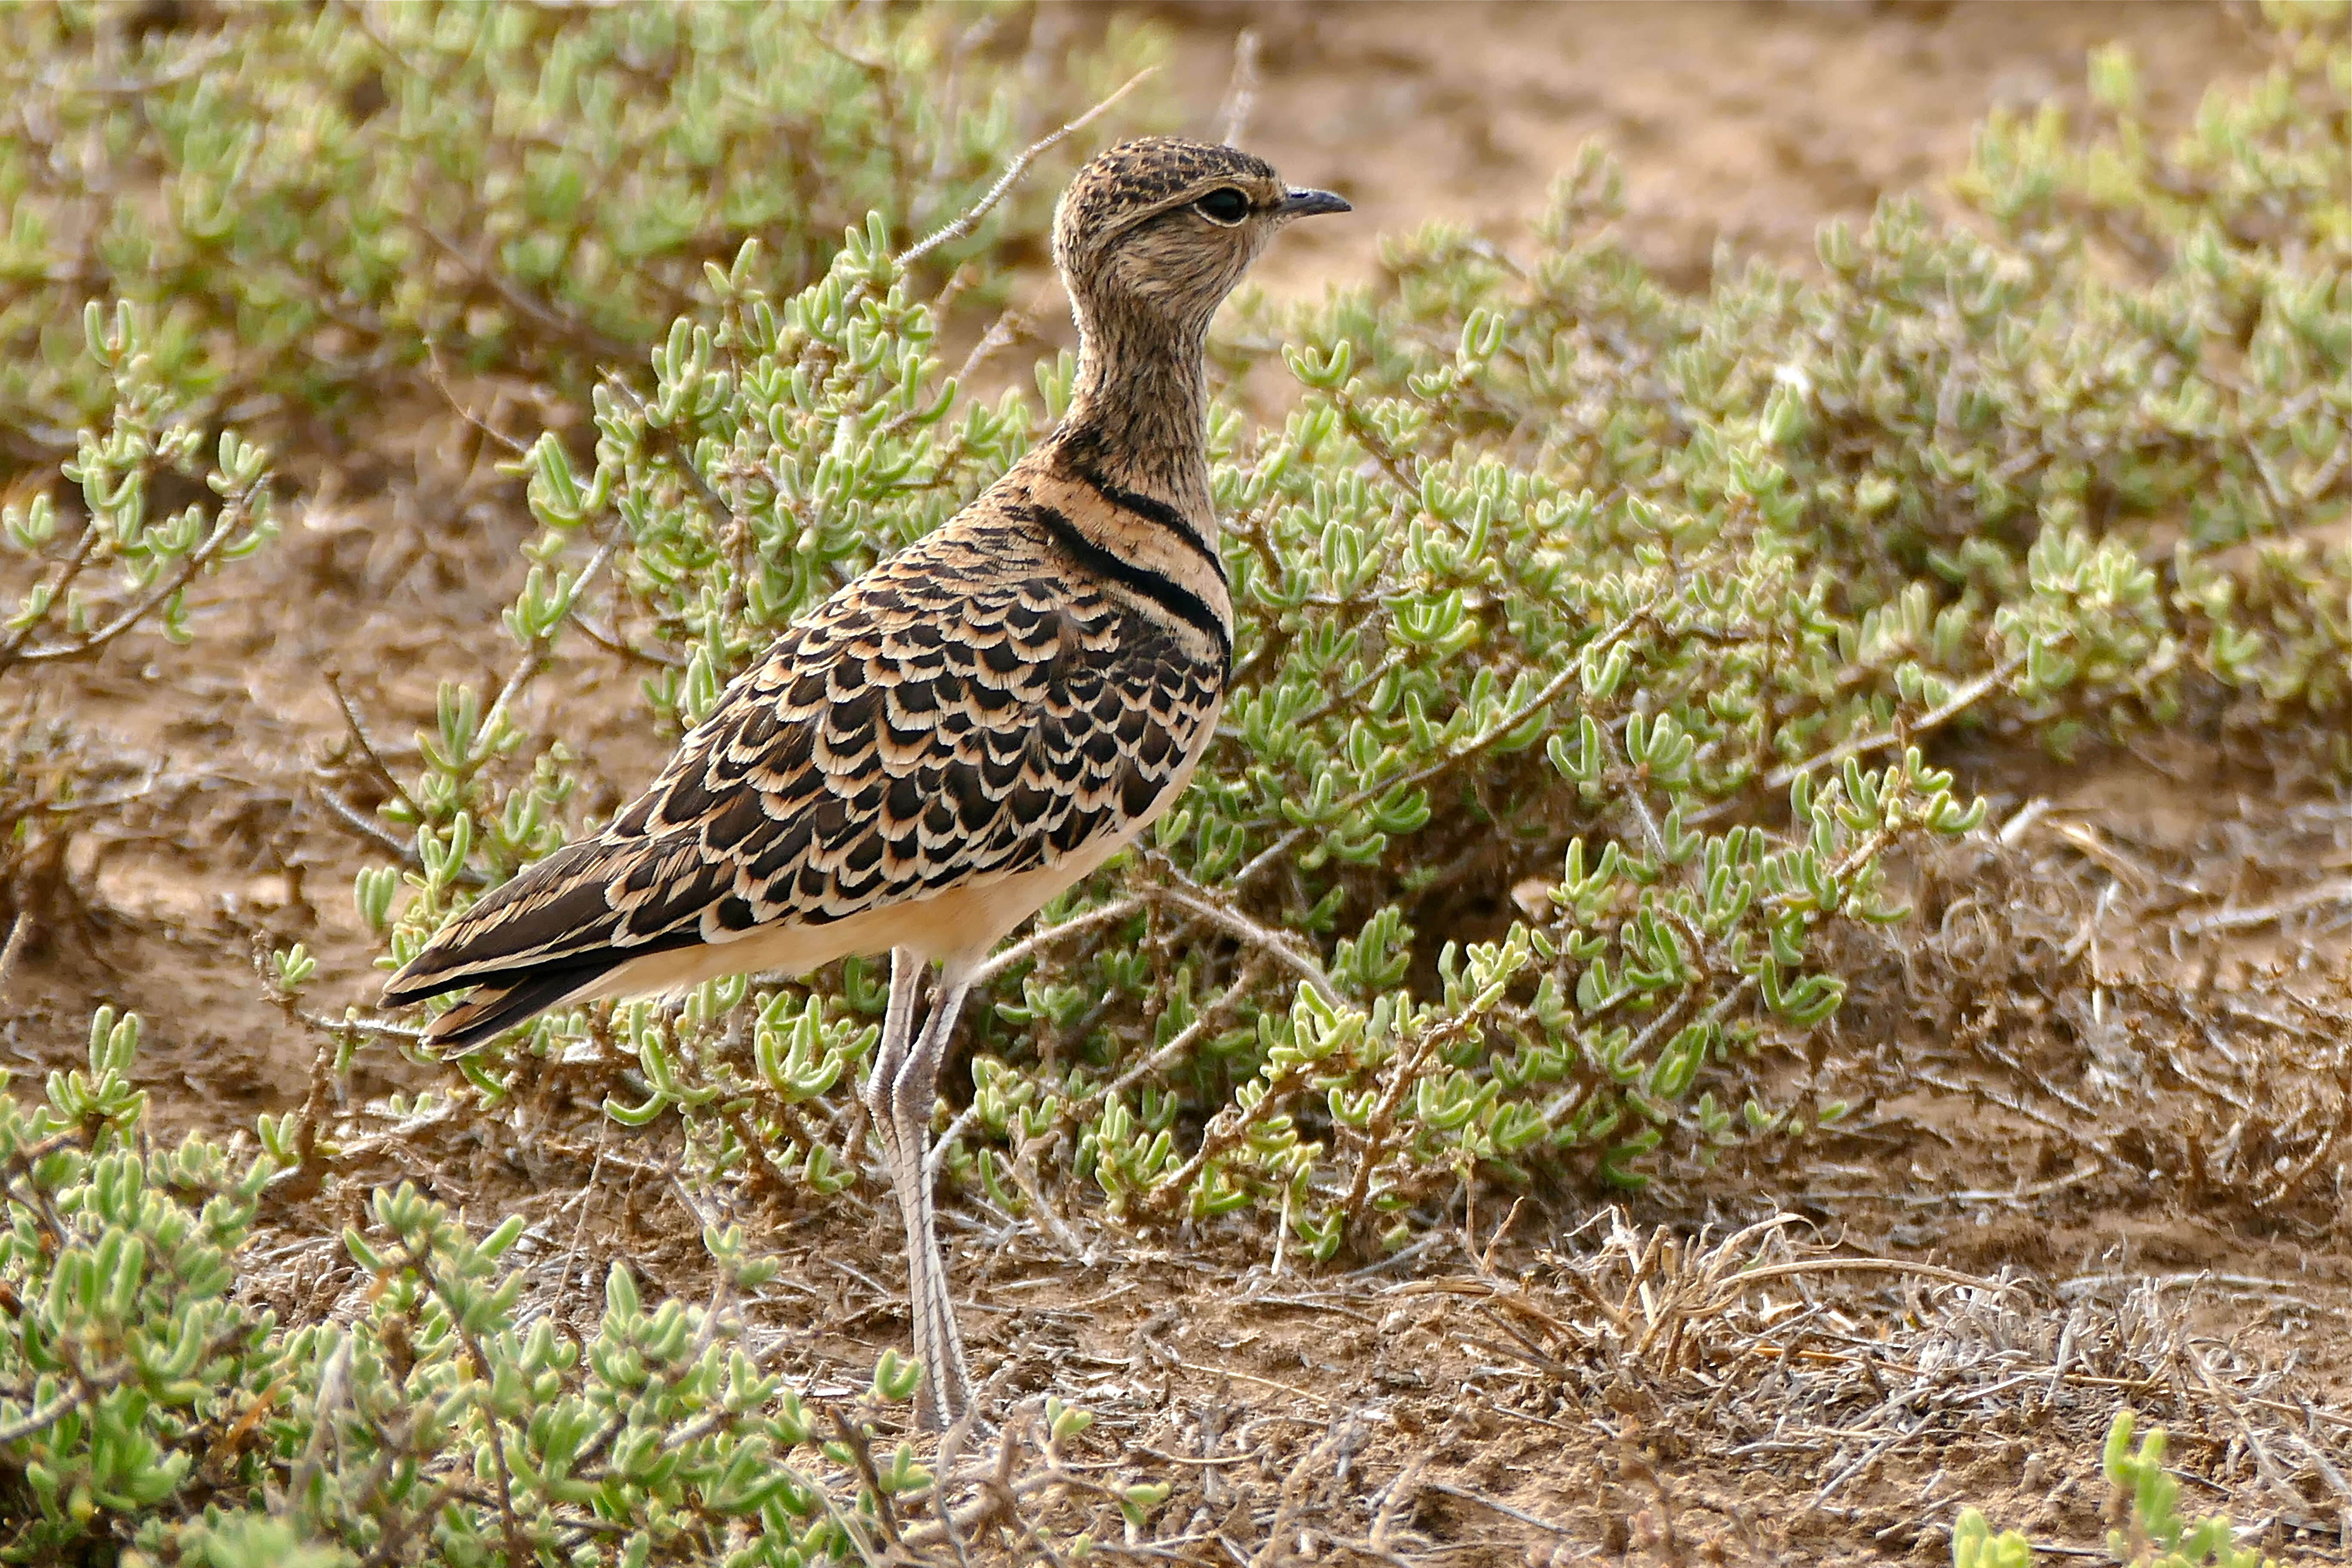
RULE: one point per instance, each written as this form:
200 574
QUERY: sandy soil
1739 123
1548 1388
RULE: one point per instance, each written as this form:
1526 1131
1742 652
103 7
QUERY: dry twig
980 210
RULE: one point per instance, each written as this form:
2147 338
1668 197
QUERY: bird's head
1162 228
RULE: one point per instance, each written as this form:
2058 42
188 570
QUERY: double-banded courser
957 736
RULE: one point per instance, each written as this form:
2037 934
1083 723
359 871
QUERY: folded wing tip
474 1021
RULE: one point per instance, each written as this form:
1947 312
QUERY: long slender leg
891 1055
946 1386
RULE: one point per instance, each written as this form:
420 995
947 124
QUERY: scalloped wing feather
975 709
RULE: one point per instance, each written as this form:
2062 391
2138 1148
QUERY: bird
923 761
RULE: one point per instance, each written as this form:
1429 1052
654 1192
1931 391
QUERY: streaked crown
1170 226
1136 180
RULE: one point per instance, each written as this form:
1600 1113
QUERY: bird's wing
973 708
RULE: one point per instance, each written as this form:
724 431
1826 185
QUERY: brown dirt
1743 125
1552 1387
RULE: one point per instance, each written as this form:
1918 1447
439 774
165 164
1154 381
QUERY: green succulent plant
1547 578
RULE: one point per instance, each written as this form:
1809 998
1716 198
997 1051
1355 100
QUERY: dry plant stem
1023 1169
1184 1041
1233 923
1038 940
388 1549
1002 334
610 642
511 1525
856 1440
1506 1509
68 572
672 451
1351 418
360 738
14 949
2336 1483
2289 1184
1395 659
943 1458
383 1028
2321 896
47 1415
1240 89
307 1173
2088 1137
233 515
1000 1502
461 408
1012 173
1223 1132
1943 713
377 834
1403 1072
2266 1466
1396 1500
1741 1283
529 664
579 333
1291 1498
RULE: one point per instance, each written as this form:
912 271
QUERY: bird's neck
1138 412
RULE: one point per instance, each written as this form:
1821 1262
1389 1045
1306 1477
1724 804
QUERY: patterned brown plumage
927 758
979 706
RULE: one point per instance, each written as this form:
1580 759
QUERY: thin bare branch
1943 713
1240 89
235 514
1012 173
1038 940
19 928
1201 905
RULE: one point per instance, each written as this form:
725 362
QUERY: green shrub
145 1405
309 195
153 505
102 564
122 1359
2126 346
1549 578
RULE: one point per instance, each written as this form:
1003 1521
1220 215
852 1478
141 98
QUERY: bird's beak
1309 203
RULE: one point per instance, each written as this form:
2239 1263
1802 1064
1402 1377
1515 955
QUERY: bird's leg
947 1390
900 1095
890 1054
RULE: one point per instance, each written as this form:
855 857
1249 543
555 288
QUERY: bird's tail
502 1001
540 941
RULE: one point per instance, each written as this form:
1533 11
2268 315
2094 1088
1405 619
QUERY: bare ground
2098 1160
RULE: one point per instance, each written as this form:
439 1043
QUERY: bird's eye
1226 205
